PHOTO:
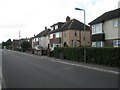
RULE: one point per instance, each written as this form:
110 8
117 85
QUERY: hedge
99 55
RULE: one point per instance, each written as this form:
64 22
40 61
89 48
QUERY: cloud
31 16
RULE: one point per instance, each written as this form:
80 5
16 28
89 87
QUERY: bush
105 56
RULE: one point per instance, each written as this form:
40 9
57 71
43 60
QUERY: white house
105 29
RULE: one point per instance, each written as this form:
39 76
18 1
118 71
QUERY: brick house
71 34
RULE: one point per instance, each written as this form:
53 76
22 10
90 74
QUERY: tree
7 44
25 45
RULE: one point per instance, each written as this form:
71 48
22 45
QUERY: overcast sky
31 16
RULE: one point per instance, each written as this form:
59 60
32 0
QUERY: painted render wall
110 31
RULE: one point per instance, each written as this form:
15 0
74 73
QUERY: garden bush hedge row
100 55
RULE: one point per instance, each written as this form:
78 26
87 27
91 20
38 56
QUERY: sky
32 16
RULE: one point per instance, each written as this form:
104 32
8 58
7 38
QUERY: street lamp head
78 9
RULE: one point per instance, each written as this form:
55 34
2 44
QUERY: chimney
45 28
67 18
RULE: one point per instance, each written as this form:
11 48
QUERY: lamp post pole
84 36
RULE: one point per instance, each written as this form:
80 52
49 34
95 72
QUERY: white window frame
51 36
56 27
52 28
57 35
97 28
116 22
116 43
94 44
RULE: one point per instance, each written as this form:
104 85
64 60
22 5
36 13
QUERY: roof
59 23
106 16
43 33
72 25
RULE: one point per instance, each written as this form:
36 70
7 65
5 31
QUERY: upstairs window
97 28
57 35
116 22
52 28
56 27
51 36
75 33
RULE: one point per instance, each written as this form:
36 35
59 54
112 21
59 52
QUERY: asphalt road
22 70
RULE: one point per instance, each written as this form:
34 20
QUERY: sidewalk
110 69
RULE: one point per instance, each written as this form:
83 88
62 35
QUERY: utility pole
19 35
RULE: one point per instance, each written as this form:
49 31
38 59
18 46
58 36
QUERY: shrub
100 55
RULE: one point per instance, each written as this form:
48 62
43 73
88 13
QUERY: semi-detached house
71 34
41 40
106 29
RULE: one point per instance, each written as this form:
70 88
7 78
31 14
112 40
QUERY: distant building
106 29
15 44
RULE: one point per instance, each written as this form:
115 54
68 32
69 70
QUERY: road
21 70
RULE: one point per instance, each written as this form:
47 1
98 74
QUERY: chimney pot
67 18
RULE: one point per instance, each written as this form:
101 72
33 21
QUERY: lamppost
84 37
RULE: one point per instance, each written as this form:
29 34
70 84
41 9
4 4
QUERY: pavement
22 70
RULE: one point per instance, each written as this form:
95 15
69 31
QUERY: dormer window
52 28
56 27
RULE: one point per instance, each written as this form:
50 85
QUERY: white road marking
88 67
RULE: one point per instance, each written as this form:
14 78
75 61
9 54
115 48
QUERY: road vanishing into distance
22 70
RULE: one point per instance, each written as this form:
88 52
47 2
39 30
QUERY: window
56 27
116 43
57 35
36 39
51 45
116 22
65 34
97 28
52 28
75 33
98 44
51 36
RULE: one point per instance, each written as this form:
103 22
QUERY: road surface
21 70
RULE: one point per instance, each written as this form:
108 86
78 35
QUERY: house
55 35
15 44
106 29
73 34
41 40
